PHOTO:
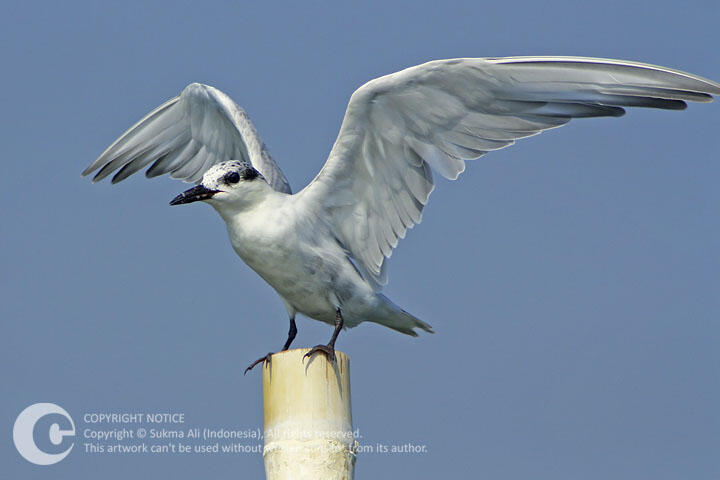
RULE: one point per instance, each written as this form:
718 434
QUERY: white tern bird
324 249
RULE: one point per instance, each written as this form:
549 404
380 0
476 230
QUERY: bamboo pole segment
308 419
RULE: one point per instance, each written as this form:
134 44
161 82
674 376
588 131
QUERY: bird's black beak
193 195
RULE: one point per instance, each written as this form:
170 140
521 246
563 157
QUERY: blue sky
571 279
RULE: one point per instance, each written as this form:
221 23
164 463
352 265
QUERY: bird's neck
258 202
259 228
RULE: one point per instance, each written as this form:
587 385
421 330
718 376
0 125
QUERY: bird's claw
267 358
327 350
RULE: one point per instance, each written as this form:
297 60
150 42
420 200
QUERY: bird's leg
329 349
267 358
291 334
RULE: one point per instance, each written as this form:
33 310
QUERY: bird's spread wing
435 116
187 135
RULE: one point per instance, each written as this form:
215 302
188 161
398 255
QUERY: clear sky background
571 279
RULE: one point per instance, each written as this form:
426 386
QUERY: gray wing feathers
440 114
184 137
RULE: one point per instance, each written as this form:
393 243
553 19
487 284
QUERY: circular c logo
24 433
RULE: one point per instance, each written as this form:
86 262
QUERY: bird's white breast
298 257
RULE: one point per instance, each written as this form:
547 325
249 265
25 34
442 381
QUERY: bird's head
233 184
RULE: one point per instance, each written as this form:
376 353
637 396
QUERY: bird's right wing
186 136
436 116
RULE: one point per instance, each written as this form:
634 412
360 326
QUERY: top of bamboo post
308 419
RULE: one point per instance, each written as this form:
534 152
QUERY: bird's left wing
187 135
440 114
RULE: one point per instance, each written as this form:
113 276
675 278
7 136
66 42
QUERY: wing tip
150 173
703 97
90 168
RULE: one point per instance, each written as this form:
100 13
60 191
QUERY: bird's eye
232 177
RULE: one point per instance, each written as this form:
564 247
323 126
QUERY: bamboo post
308 420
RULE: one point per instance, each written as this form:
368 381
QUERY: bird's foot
267 358
328 350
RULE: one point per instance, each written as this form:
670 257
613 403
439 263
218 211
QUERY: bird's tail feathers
398 319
